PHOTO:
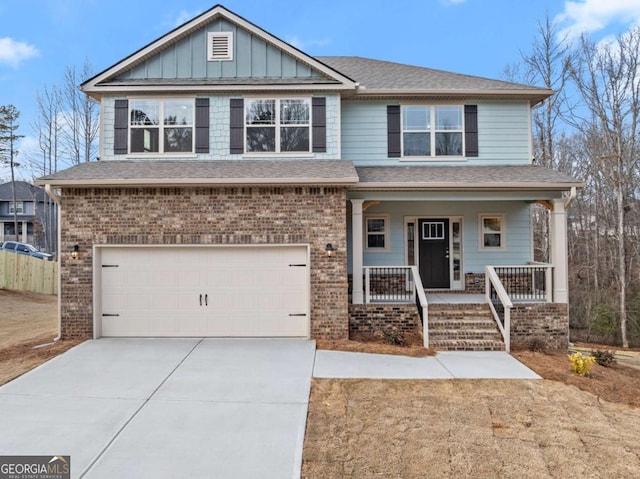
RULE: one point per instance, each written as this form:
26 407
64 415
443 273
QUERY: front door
433 247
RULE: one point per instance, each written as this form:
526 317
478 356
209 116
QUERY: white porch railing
530 282
397 284
499 303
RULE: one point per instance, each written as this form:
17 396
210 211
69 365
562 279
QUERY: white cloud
13 52
583 16
305 44
184 16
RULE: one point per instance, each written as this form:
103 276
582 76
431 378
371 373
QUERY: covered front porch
455 243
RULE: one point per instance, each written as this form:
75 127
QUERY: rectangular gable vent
219 46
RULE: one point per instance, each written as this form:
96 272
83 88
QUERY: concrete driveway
149 408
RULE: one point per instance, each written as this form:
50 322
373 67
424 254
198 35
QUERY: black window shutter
202 125
393 131
471 130
236 130
319 121
121 128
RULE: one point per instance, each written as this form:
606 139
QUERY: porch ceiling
492 178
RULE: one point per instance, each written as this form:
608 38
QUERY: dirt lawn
27 320
562 426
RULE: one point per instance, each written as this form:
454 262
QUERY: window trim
503 231
19 211
432 133
278 125
387 232
161 126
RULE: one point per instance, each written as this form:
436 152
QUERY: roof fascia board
536 95
201 20
216 88
467 186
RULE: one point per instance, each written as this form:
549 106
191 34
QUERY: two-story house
246 188
35 214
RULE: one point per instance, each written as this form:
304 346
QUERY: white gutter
57 200
572 196
462 186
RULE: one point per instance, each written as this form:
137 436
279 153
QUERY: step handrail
423 305
492 281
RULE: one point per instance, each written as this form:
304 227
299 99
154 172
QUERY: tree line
590 129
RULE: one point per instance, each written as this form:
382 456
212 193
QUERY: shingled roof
24 192
220 172
464 177
377 75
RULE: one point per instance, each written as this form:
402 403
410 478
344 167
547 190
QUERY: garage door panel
250 291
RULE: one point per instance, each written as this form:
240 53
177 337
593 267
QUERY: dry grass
563 426
412 345
27 320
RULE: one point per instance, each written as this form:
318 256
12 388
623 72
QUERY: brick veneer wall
369 318
547 322
206 216
474 283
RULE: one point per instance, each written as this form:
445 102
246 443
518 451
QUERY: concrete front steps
463 327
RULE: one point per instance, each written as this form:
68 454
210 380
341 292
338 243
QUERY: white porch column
356 247
559 255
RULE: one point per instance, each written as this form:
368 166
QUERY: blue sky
40 38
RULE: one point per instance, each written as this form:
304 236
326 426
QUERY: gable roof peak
101 82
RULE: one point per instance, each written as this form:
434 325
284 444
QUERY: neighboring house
36 215
241 182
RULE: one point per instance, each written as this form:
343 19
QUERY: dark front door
433 241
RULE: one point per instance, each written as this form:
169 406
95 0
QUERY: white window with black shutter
277 125
168 126
417 132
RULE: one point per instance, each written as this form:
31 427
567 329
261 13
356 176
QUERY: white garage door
204 291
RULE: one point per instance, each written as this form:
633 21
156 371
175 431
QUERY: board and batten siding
503 134
517 220
252 58
219 118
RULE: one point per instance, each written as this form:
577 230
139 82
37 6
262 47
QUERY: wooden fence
25 273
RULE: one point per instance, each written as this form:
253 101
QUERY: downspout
56 199
571 197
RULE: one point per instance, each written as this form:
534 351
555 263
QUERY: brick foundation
474 283
206 216
369 318
547 322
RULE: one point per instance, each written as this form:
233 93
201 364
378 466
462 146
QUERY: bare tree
607 78
80 116
8 126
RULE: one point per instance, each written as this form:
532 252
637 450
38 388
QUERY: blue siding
517 221
252 58
503 134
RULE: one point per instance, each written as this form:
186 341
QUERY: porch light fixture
74 251
329 249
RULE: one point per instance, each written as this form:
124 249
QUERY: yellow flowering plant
581 364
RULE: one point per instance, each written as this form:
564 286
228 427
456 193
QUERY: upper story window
161 126
277 125
18 207
432 130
